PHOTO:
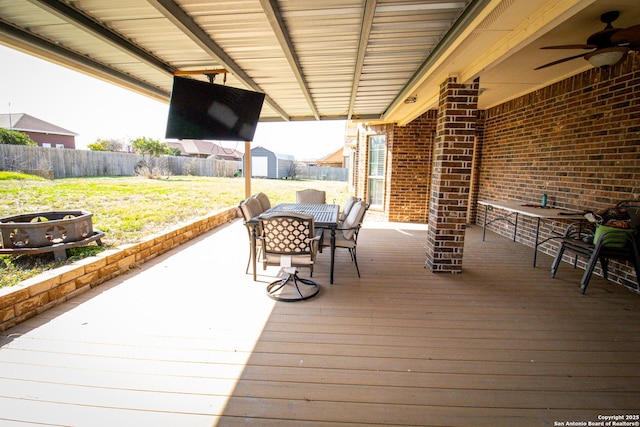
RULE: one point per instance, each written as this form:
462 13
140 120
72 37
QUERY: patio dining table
324 216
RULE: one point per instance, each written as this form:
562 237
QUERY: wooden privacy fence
322 173
62 163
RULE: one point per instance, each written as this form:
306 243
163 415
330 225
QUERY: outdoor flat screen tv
201 110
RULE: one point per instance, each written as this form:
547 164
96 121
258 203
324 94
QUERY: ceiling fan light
607 56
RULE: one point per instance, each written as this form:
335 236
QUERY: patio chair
578 239
264 201
613 244
290 241
347 208
584 240
311 196
347 232
251 208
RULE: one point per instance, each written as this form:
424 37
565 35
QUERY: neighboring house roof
26 123
335 159
195 147
284 156
228 153
336 156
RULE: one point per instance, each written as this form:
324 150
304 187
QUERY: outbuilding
268 164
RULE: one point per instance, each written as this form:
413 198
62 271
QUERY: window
377 157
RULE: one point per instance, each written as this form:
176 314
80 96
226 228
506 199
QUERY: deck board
191 340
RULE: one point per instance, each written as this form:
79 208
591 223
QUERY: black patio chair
613 244
619 244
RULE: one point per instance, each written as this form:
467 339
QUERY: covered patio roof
374 60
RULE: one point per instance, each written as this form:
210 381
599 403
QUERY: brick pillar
451 178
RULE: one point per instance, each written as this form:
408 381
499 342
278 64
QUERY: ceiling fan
606 47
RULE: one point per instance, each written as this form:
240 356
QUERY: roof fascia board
180 19
44 132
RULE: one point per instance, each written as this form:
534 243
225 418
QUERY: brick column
451 178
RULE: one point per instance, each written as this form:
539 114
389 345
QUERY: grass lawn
127 209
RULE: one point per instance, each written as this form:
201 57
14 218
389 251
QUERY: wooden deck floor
190 340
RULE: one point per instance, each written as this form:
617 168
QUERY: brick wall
475 168
577 140
68 141
410 169
38 294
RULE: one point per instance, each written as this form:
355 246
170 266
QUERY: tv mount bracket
212 77
211 74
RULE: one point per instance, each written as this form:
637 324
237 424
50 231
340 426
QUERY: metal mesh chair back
288 234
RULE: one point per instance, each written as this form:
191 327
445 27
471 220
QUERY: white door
259 166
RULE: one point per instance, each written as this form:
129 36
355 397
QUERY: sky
98 110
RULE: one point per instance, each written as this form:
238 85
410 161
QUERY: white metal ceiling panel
312 59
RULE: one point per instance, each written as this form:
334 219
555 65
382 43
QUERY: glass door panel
377 160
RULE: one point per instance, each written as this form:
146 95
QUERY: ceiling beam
188 26
279 28
365 31
33 45
366 117
83 22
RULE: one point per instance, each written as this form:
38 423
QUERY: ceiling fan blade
559 61
628 36
603 38
571 46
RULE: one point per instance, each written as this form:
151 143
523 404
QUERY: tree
151 147
106 145
13 137
98 145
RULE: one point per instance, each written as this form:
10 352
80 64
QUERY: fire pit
42 232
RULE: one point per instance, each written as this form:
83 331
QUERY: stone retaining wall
40 293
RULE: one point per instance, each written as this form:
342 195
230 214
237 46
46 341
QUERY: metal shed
268 164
